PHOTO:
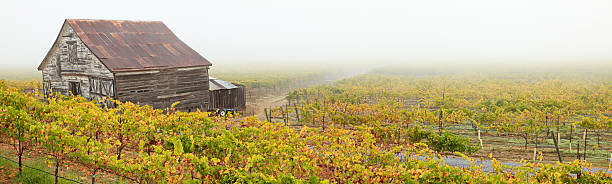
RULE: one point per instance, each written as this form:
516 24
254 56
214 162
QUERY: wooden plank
192 68
190 87
137 73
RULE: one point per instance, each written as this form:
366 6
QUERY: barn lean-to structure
226 95
138 61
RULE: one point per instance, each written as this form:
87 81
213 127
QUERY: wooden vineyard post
286 113
283 115
585 144
297 115
578 151
479 138
598 133
558 131
557 146
558 137
535 148
323 121
571 134
610 163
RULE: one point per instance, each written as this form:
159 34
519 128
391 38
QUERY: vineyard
511 116
357 130
276 81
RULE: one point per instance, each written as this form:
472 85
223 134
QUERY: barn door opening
75 88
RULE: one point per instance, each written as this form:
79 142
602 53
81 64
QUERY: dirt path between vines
257 107
267 102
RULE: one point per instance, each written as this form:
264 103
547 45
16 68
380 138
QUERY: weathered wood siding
228 98
72 61
161 88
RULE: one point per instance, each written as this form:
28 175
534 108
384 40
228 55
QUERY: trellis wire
40 170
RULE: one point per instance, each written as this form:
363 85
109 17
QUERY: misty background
234 33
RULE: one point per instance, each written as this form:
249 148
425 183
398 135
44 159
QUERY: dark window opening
74 88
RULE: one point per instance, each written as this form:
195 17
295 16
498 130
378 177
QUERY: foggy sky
230 31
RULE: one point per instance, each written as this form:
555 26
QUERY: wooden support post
296 112
557 146
286 114
270 114
571 135
480 138
283 115
598 133
534 154
610 163
578 151
535 149
585 143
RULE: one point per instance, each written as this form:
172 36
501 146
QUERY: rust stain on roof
135 45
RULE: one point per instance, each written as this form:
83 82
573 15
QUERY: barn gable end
70 62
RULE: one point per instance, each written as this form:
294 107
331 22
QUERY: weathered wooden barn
138 61
226 95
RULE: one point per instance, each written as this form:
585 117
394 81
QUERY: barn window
72 51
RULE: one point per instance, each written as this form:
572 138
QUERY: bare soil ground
255 105
267 102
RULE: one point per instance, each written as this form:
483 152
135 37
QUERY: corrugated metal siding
216 84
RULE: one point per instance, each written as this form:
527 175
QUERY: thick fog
231 32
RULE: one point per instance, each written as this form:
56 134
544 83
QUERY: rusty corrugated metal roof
215 84
124 45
